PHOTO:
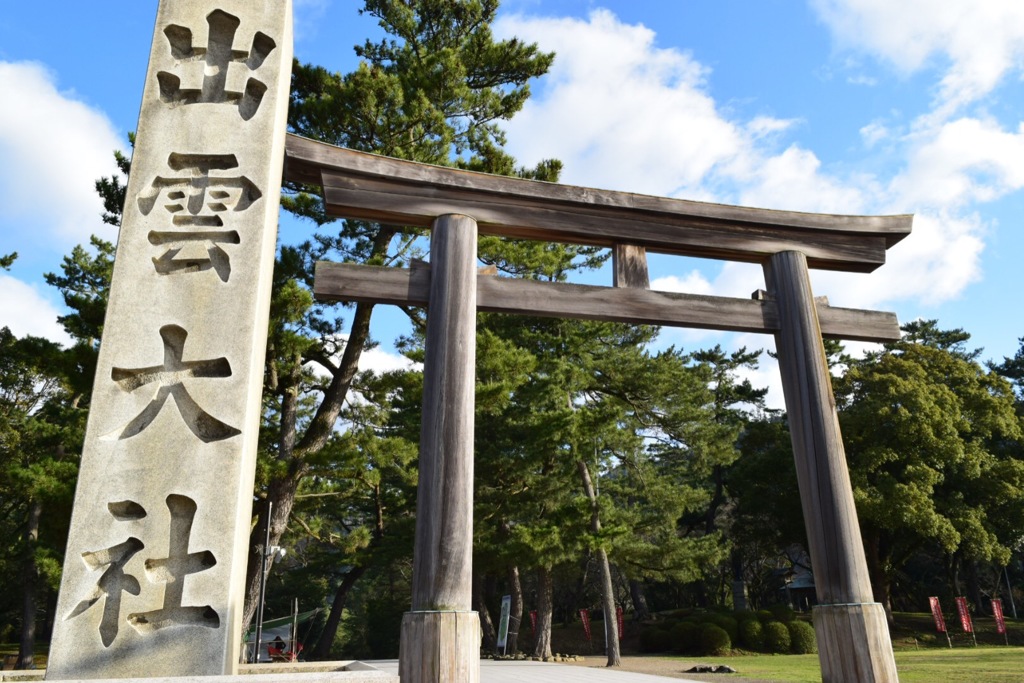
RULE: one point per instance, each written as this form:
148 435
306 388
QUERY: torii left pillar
441 634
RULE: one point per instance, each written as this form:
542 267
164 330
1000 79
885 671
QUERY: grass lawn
975 665
922 655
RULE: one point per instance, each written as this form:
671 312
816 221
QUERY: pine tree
434 90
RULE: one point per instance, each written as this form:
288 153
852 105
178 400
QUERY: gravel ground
672 668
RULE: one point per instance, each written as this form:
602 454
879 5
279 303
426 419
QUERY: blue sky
838 106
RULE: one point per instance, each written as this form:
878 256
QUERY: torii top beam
372 187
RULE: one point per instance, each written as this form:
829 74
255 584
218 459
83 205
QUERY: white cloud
763 126
54 148
873 133
861 79
379 361
694 283
961 162
376 360
623 113
793 180
976 43
934 264
27 312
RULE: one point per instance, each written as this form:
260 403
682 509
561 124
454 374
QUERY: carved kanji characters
197 202
171 377
172 570
216 60
114 581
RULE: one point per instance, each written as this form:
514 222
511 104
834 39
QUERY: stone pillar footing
853 643
440 647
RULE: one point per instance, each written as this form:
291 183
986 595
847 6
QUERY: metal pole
264 551
295 628
1009 591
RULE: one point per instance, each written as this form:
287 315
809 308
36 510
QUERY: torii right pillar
853 636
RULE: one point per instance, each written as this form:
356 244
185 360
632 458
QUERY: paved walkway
545 672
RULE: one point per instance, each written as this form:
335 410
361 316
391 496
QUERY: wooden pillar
629 267
441 635
853 636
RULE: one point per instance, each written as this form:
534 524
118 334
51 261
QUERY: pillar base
854 644
440 647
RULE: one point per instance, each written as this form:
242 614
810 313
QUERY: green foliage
434 90
933 448
751 634
1013 370
684 637
768 514
727 624
41 430
655 639
112 190
802 640
383 625
84 284
714 640
776 638
783 613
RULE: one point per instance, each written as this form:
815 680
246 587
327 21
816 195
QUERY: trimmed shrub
776 638
783 613
714 640
751 634
764 616
801 635
654 639
684 637
727 624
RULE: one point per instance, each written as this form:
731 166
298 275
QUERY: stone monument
154 572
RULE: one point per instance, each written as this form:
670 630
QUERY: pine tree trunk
282 490
542 648
322 650
641 611
490 636
611 622
515 617
282 494
880 584
607 592
30 587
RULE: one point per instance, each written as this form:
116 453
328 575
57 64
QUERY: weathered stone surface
153 575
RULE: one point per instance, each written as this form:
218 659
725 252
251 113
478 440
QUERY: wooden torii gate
440 635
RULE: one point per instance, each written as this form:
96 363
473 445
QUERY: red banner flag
621 622
997 612
533 620
965 616
940 623
585 616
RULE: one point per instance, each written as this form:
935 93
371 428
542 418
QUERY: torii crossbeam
440 635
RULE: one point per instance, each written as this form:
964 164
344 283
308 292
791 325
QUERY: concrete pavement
545 672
